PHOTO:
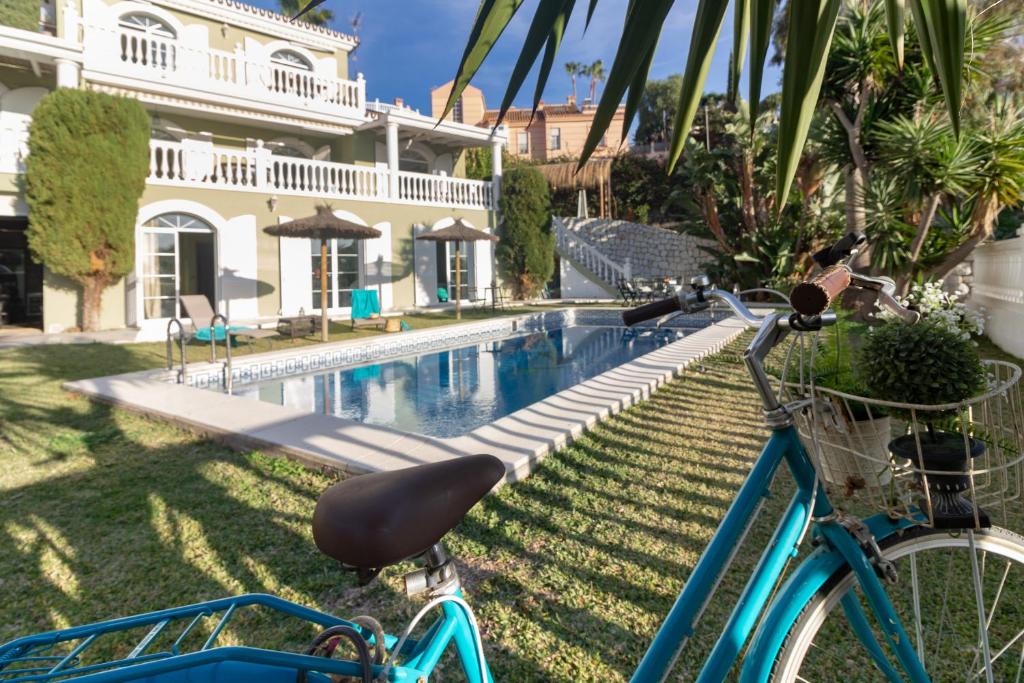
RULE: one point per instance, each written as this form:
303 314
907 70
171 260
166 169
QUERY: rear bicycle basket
950 466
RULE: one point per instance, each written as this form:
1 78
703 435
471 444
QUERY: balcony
163 65
199 165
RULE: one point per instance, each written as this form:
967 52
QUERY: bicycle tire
790 661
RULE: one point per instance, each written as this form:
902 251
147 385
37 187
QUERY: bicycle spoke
980 600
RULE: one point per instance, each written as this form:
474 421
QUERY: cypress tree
526 252
86 169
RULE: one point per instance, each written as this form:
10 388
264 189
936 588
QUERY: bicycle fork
860 561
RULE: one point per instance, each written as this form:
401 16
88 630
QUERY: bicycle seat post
438 575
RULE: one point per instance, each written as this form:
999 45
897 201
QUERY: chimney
571 100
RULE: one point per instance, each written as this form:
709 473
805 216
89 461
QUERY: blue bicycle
911 594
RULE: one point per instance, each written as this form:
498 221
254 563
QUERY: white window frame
299 61
555 138
523 142
332 258
201 226
154 26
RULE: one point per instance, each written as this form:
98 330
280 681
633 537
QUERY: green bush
526 252
23 14
86 169
924 364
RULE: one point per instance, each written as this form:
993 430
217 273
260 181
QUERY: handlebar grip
816 295
655 309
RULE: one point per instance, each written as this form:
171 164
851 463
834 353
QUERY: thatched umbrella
458 232
323 226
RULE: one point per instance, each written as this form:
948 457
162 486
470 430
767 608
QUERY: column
392 140
495 171
67 73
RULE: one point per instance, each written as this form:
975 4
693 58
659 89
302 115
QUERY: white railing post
261 166
70 22
392 144
627 269
360 102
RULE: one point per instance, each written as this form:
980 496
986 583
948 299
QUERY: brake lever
885 288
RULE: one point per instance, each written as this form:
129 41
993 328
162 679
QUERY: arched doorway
179 256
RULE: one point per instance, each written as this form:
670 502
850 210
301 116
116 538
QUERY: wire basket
951 466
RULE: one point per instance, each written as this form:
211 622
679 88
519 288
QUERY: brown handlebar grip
816 295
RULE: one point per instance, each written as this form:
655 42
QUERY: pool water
451 392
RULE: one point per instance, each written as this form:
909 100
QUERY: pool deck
521 439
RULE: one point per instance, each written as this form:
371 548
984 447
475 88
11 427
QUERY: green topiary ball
923 364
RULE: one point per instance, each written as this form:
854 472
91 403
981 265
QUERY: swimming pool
450 392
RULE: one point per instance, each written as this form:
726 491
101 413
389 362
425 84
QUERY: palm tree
573 69
803 70
597 75
316 17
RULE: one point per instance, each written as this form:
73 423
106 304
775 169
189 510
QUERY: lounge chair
198 309
366 309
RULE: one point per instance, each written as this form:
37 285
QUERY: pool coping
521 439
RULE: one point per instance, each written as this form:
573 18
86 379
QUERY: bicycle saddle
374 520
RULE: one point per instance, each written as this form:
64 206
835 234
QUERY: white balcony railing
122 52
422 188
204 166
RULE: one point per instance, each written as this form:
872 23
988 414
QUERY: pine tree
86 169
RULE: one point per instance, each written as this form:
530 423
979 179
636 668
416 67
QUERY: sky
410 46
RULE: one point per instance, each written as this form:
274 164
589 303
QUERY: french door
343 272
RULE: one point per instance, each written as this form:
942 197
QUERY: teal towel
364 303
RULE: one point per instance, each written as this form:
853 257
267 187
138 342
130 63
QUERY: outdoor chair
628 293
477 297
366 309
498 301
197 308
644 291
442 295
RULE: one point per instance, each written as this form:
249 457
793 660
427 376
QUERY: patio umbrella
323 226
458 232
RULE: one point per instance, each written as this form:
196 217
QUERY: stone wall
652 252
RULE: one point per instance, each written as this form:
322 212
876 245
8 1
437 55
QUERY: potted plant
852 439
929 365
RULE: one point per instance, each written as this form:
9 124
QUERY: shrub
86 169
924 364
23 14
526 252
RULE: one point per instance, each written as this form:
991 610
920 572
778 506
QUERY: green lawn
106 513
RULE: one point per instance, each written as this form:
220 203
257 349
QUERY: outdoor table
298 326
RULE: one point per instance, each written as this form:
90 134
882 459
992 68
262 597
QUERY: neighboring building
556 131
255 120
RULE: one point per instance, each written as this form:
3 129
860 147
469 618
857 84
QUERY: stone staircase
607 250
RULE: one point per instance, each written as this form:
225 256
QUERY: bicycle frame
808 503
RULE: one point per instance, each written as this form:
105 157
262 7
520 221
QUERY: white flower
942 308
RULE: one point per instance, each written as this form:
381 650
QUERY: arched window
146 23
291 59
414 161
178 257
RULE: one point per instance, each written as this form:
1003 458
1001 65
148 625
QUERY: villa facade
552 133
254 121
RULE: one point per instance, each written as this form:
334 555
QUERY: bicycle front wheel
960 597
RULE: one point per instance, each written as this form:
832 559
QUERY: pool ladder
182 338
228 382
